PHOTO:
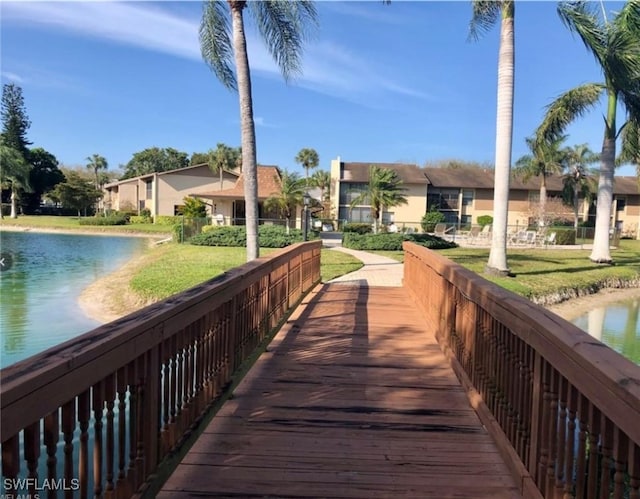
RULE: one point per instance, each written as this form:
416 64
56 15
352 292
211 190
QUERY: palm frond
630 145
485 15
215 42
581 18
284 26
622 63
566 108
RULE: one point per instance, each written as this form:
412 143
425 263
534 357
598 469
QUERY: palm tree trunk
504 132
601 252
249 155
14 204
543 200
575 205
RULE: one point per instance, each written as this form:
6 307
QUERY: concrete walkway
377 270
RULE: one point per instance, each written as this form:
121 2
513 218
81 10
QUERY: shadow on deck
354 398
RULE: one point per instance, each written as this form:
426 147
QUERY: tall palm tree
223 157
577 181
546 158
615 45
292 189
486 14
383 191
96 163
14 175
322 180
283 26
309 159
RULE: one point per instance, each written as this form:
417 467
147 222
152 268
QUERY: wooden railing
98 414
563 408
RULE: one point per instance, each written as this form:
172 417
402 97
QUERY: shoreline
83 232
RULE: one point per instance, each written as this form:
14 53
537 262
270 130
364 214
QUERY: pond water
616 325
40 288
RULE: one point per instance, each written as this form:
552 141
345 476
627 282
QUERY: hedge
393 242
270 236
357 228
136 219
563 236
112 220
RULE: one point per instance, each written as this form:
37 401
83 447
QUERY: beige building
164 193
464 194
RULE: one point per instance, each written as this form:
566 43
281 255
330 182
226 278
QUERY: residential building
464 194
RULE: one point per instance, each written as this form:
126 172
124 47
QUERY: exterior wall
627 218
127 195
335 186
410 213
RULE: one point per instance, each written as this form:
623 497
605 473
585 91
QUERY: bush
112 220
139 220
145 212
357 228
431 219
167 220
393 242
270 236
564 236
485 220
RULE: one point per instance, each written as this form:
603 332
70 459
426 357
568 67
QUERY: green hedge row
111 220
357 228
392 242
270 236
136 219
563 236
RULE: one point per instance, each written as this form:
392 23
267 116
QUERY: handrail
557 400
129 392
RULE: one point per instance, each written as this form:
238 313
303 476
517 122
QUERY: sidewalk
377 271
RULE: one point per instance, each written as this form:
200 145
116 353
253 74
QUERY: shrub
145 212
431 219
357 228
270 236
167 220
564 236
392 242
139 220
112 220
485 220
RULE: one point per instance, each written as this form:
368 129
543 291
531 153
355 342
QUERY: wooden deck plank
352 399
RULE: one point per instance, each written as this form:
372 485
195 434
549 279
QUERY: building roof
479 178
359 172
268 185
178 171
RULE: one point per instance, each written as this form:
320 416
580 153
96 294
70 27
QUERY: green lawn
541 272
73 223
173 268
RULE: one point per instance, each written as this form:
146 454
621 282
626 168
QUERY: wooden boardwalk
353 399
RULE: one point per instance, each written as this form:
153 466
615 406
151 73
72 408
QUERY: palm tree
292 188
309 159
283 26
95 164
14 175
486 13
384 190
577 181
322 180
223 158
546 158
616 47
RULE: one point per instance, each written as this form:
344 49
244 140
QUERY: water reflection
615 325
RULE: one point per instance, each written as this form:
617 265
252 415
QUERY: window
621 204
467 198
149 189
177 209
357 214
351 191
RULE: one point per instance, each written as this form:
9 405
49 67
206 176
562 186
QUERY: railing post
536 401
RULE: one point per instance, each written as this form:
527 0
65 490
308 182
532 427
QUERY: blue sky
381 83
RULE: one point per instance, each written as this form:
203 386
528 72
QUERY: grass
73 223
544 272
172 268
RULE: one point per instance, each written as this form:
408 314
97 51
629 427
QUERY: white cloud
328 68
12 77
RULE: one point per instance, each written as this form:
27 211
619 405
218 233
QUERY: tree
97 163
44 175
545 159
309 160
630 150
75 192
486 13
283 26
615 45
322 180
194 208
383 191
292 188
154 160
224 158
577 181
14 175
199 158
15 121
